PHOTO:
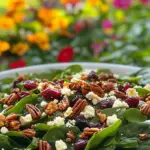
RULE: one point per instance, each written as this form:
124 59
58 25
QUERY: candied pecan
120 94
44 145
9 107
16 90
33 111
147 98
89 132
102 117
51 108
29 132
108 86
85 88
77 108
113 80
143 136
12 124
97 90
64 104
145 109
11 99
103 76
2 120
70 136
12 117
75 86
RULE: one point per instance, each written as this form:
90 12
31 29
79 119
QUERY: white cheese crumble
4 130
66 91
70 123
88 112
41 86
57 121
131 92
43 103
147 87
119 103
111 119
76 77
5 106
55 101
60 145
111 93
6 95
68 112
25 119
93 97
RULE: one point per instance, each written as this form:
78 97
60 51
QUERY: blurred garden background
47 31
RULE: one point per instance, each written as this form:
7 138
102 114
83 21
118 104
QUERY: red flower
66 54
122 4
17 64
79 26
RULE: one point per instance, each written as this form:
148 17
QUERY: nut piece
70 136
75 86
120 94
44 145
51 108
145 109
33 111
108 86
11 99
12 117
29 132
147 98
89 132
2 120
97 90
143 136
85 88
64 104
77 108
102 117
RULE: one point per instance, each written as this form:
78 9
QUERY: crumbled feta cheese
93 97
76 77
119 103
112 93
43 113
4 130
60 145
25 119
111 119
147 87
55 101
70 123
131 92
43 103
88 112
68 112
5 95
57 121
116 76
66 91
5 106
40 86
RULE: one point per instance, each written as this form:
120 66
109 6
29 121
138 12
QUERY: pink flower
79 26
122 4
144 1
107 24
17 64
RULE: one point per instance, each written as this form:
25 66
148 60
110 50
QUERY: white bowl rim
115 68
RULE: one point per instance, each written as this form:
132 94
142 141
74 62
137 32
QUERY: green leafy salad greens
75 109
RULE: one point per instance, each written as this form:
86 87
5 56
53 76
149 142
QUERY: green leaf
34 144
42 127
134 115
98 138
5 142
19 107
142 91
103 71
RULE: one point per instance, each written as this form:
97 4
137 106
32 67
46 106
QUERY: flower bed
116 31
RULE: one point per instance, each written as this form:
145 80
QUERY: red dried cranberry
92 76
22 94
132 101
121 88
30 85
105 104
127 86
94 125
80 144
51 94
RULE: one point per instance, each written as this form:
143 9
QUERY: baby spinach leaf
97 138
34 144
103 71
134 115
142 91
19 107
42 127
129 79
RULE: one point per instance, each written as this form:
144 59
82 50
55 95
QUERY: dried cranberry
51 94
92 76
94 125
80 144
30 85
132 101
127 86
22 94
105 104
60 82
121 88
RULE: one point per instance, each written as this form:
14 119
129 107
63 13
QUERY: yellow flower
16 4
41 39
119 14
20 48
94 2
69 1
6 23
4 46
104 8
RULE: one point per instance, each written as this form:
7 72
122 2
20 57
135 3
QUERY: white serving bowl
115 68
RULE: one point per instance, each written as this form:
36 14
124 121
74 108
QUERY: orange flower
6 23
20 48
4 46
41 39
69 1
104 8
16 4
94 2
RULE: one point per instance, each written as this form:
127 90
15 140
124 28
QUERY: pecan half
143 136
33 111
29 132
12 117
44 145
147 98
77 108
11 99
120 94
51 108
64 104
70 136
102 117
97 90
13 124
75 86
85 88
108 86
2 120
145 109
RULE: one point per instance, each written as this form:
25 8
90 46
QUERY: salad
75 109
